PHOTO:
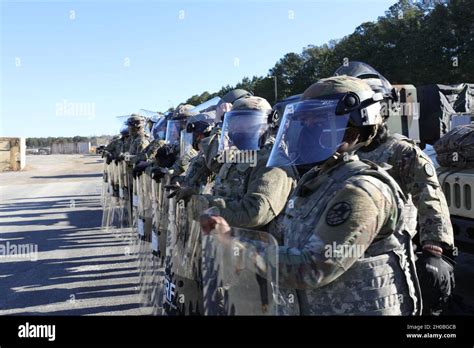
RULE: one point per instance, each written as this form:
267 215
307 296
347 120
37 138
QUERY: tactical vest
383 281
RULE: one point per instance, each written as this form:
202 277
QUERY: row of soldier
238 209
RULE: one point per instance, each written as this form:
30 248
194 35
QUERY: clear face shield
124 130
207 105
159 129
310 132
185 142
173 129
243 130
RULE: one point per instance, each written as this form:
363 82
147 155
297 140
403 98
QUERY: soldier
248 194
139 139
346 230
197 175
166 153
158 131
113 150
211 145
413 170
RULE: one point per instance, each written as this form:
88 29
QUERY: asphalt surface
51 212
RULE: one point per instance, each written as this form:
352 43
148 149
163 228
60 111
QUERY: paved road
78 269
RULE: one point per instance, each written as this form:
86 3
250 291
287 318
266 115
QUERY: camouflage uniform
414 172
139 141
250 197
197 174
115 147
210 146
182 163
149 152
346 233
126 144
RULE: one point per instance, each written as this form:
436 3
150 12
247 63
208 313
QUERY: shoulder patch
429 170
338 214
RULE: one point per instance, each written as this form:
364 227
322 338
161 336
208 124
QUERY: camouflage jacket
149 152
138 143
115 147
197 174
182 163
415 173
210 148
251 195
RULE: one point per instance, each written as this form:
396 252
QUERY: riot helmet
331 114
246 126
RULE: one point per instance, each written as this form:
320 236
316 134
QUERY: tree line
411 44
47 142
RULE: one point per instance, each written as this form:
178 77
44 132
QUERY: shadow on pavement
102 277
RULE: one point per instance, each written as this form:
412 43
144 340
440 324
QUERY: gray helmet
182 111
136 121
234 95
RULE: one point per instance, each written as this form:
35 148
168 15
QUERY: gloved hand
157 173
139 168
182 193
436 276
166 156
121 156
109 158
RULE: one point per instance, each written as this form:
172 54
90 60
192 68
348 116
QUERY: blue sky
69 67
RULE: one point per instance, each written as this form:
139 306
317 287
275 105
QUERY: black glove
157 173
181 193
139 169
436 276
166 156
109 158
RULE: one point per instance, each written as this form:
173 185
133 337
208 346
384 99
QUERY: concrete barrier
12 154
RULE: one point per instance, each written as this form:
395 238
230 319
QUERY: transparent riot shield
107 195
124 196
139 227
146 256
239 272
183 280
105 184
111 221
158 243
